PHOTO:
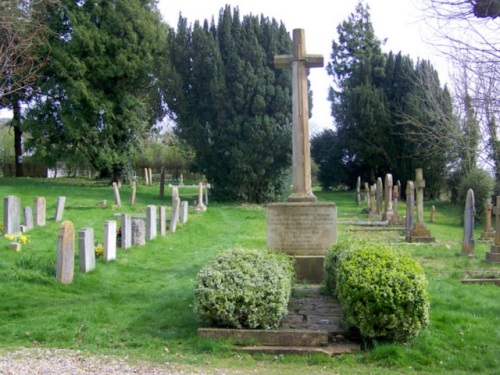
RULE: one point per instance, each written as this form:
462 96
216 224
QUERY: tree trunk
18 136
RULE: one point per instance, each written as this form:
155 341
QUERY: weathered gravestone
118 200
493 256
420 233
433 214
86 250
40 211
181 180
379 192
150 174
488 232
388 213
162 183
410 209
126 231
146 176
183 213
175 196
367 196
60 209
162 218
66 253
28 218
395 197
373 200
133 193
138 232
151 224
469 213
301 227
358 191
11 215
109 240
175 215
200 206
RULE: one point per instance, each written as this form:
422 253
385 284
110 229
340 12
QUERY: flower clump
99 250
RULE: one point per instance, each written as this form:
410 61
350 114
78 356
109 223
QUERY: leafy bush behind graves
244 289
383 292
481 182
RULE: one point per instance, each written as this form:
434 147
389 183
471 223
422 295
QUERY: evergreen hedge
244 289
382 291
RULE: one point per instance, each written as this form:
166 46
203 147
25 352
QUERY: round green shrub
244 289
382 291
481 182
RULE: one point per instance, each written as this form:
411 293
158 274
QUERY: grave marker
183 214
367 196
493 256
150 173
146 176
65 253
420 233
373 201
388 213
175 215
200 206
138 232
40 211
379 191
86 249
118 200
396 196
162 184
163 220
488 232
11 215
109 240
468 237
60 208
433 214
133 193
151 225
410 209
126 231
358 191
28 217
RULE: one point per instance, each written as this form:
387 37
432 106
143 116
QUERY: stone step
330 350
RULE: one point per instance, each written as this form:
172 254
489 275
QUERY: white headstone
60 208
175 215
126 231
28 217
163 220
109 240
11 215
86 249
183 214
151 225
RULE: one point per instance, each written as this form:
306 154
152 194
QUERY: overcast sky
397 20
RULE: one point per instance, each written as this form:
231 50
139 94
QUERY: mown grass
141 304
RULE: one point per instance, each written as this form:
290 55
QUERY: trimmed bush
481 182
244 289
383 292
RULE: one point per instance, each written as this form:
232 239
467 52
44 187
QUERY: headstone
200 206
133 193
28 217
60 208
150 172
109 240
162 184
146 176
40 211
395 198
493 256
469 213
11 214
207 186
388 213
86 249
379 193
126 231
410 208
373 201
118 200
183 213
181 180
367 196
65 253
151 225
162 218
358 191
420 233
175 215
138 232
175 194
301 227
488 232
433 214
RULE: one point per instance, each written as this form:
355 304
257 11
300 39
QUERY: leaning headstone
86 250
183 213
493 256
60 208
410 209
65 253
420 233
388 213
146 176
175 215
28 217
126 231
150 173
357 198
151 225
379 193
138 232
488 232
469 213
133 193
40 211
109 240
118 200
162 218
11 214
200 206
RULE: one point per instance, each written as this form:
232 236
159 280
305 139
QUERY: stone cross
468 237
200 206
299 62
419 185
66 253
488 231
388 213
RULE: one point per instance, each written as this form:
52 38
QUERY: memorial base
420 234
487 234
309 269
493 256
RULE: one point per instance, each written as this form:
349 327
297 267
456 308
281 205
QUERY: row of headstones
375 195
12 214
135 230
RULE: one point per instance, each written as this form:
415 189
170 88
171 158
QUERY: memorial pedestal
304 230
493 256
420 234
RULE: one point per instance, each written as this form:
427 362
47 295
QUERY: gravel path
75 362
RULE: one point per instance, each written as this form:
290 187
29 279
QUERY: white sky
396 20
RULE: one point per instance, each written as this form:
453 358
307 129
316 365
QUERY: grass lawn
140 305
